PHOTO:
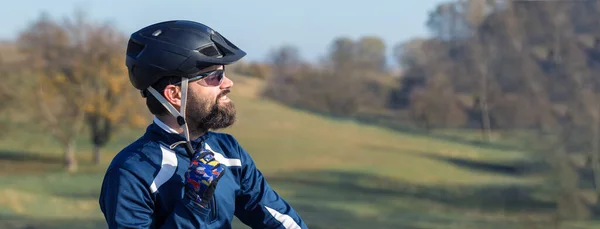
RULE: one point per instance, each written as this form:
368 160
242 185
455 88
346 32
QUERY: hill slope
336 173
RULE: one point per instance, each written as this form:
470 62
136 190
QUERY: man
180 174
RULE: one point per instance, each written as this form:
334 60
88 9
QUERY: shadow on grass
511 168
22 222
13 162
404 128
515 168
15 156
34 162
322 217
83 195
379 202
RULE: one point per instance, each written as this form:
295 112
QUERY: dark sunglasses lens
214 78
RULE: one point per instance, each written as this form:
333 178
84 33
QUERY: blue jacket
143 186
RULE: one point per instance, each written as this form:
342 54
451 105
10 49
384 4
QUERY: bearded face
205 114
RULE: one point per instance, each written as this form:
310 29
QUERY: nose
227 83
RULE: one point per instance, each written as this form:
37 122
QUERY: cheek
206 97
203 95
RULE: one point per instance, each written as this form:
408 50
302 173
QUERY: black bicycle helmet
176 48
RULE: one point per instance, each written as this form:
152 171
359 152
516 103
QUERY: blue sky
255 26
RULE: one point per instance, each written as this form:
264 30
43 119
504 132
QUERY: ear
172 94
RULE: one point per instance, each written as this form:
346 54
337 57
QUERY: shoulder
231 147
226 139
226 142
142 158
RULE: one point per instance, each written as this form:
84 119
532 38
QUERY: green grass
336 173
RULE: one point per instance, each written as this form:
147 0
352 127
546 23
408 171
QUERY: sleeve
258 205
127 203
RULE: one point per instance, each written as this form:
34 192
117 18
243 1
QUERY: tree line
488 66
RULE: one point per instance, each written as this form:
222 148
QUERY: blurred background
379 114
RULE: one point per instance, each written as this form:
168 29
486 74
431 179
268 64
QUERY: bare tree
60 93
79 72
112 105
481 54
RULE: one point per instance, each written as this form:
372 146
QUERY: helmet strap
179 115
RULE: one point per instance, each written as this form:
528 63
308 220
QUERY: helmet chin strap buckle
180 120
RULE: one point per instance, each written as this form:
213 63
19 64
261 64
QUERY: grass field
336 173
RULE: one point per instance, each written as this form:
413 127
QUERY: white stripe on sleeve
222 159
167 169
286 220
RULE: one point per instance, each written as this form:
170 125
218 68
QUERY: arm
127 203
258 205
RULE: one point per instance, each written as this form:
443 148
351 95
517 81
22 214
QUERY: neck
172 122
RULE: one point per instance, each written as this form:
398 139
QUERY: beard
204 115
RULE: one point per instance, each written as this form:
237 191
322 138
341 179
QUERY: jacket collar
164 133
164 126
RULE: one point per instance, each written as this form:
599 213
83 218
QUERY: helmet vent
134 48
210 51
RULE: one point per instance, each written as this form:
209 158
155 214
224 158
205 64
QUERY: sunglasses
212 78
